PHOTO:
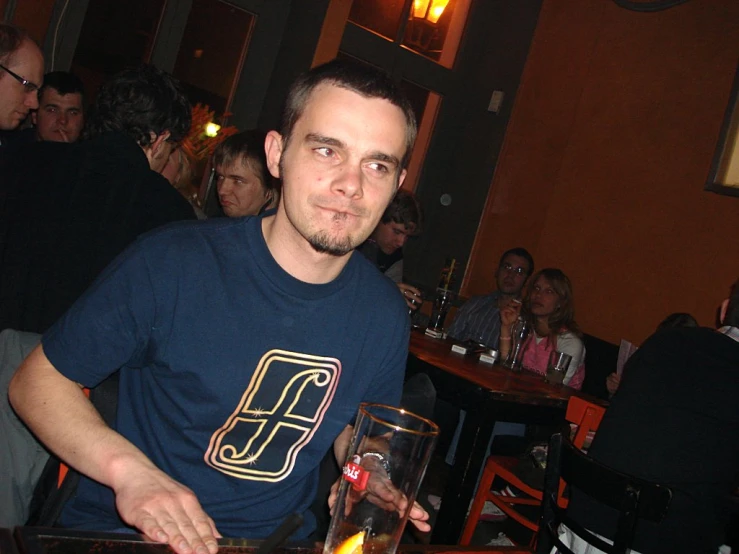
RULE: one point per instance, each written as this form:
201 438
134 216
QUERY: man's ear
158 141
722 312
401 178
155 145
273 149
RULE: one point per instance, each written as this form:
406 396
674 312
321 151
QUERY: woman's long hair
563 317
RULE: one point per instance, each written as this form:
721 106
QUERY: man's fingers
151 529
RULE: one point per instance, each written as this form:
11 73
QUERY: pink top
536 358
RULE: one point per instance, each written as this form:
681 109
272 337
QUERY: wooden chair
586 415
633 498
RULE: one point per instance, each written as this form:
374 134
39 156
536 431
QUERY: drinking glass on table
557 367
388 453
519 333
442 303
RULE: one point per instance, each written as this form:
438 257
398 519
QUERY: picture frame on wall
724 175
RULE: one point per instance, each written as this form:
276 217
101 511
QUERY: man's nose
400 241
224 186
349 181
62 118
32 100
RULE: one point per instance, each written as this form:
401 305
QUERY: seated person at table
479 318
675 421
678 319
245 186
244 345
549 308
384 247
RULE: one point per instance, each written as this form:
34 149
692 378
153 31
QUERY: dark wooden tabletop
32 540
488 394
524 387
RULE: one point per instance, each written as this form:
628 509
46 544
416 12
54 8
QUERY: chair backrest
586 415
633 498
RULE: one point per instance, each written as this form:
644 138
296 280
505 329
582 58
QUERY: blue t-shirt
235 377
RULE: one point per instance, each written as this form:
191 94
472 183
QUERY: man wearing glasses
21 75
479 318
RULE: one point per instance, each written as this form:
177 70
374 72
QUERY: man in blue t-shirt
245 345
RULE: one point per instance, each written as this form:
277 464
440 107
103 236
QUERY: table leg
460 488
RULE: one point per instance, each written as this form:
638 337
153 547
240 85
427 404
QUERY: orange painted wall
605 159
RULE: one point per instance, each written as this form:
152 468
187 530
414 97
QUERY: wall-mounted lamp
430 10
211 129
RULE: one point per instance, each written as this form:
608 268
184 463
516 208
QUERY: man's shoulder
690 339
378 290
489 300
220 233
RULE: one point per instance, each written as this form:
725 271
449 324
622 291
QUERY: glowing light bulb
211 129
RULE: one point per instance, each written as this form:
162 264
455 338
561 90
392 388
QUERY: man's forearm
58 412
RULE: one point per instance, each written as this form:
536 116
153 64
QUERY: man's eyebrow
51 105
321 139
382 157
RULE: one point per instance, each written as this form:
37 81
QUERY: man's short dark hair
732 312
404 209
64 83
364 80
521 253
248 147
141 102
11 38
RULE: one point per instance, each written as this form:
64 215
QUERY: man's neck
296 256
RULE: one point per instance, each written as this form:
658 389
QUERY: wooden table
488 394
32 540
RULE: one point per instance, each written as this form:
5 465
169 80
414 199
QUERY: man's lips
341 211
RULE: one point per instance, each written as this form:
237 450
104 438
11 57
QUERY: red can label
356 475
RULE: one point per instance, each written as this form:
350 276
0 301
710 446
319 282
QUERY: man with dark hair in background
479 318
21 73
66 210
61 113
675 420
384 247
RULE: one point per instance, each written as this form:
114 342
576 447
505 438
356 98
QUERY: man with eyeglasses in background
479 318
21 75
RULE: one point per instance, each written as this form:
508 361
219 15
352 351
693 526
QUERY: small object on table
442 303
489 356
434 334
557 367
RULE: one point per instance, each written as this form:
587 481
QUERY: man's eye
325 151
50 109
376 166
74 112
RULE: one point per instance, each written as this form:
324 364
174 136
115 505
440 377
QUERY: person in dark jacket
66 210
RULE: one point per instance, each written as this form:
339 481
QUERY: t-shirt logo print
277 416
